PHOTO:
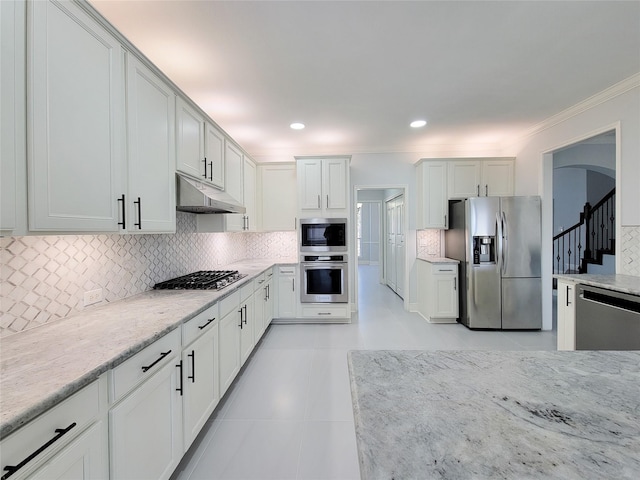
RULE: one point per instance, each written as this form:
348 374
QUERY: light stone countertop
620 283
42 366
438 260
485 415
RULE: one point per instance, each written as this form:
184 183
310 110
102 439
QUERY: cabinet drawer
229 303
328 311
246 291
287 270
444 269
72 416
259 281
199 324
130 373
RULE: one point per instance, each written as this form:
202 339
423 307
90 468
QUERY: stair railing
586 241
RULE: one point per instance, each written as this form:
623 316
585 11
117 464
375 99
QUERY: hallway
288 415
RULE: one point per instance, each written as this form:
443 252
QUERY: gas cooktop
202 280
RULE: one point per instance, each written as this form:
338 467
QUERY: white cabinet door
249 173
229 350
269 303
497 178
75 119
85 458
234 160
260 310
287 294
189 140
464 178
309 174
151 203
248 318
566 316
335 186
214 155
146 427
201 383
445 298
431 182
278 197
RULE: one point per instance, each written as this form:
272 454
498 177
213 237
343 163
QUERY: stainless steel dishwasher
607 320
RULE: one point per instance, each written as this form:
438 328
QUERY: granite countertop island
44 365
486 415
620 283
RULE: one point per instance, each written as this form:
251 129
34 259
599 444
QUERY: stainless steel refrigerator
498 243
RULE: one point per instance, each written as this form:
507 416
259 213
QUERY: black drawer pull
192 377
162 355
11 469
181 387
139 223
123 223
201 327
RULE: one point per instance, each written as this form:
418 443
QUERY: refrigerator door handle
505 242
499 255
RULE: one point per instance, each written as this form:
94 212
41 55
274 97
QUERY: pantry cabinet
76 120
566 315
480 178
145 427
150 206
277 194
200 370
431 192
323 187
438 291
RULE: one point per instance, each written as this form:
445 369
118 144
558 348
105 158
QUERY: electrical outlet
92 296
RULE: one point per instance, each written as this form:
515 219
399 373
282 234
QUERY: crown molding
605 95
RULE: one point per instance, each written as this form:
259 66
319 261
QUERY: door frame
404 190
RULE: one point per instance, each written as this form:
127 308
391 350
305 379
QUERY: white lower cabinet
67 441
200 370
438 291
229 352
566 315
287 300
247 321
145 427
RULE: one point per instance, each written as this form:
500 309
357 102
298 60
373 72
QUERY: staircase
590 241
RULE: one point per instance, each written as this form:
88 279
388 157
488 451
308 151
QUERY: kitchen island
470 414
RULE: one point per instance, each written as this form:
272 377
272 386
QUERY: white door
399 245
390 254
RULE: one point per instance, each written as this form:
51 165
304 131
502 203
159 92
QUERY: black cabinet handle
201 327
139 224
60 432
192 377
568 302
486 190
268 292
240 312
205 167
245 313
180 388
162 355
478 189
210 170
123 223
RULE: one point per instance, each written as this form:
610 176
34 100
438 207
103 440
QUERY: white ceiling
356 73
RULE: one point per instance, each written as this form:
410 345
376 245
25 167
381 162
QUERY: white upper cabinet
277 197
13 160
151 203
234 160
249 175
189 139
213 155
323 187
431 183
76 120
480 178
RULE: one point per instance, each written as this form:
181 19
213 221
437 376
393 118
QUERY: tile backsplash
630 251
428 243
45 277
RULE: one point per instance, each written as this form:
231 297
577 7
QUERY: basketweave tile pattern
44 277
428 241
630 251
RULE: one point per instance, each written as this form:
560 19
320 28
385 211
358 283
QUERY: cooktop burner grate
202 280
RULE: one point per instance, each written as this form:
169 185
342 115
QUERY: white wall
616 108
569 197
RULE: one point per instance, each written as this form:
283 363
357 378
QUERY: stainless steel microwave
323 235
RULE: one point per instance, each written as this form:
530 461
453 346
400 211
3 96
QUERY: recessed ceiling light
418 123
297 126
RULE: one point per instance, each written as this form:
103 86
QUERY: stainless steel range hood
197 197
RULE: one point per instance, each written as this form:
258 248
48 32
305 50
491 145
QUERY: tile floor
288 415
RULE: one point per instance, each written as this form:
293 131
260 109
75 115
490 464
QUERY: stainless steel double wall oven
323 260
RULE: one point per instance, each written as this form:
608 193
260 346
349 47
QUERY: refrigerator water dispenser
484 250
